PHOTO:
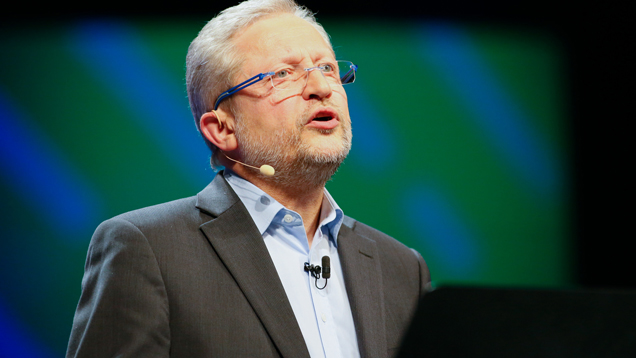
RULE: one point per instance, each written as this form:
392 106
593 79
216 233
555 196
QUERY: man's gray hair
213 61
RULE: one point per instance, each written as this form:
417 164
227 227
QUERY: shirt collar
331 216
263 208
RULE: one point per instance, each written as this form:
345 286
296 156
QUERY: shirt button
288 218
324 317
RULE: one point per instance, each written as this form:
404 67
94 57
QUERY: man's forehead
283 37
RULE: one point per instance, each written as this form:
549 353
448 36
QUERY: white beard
297 164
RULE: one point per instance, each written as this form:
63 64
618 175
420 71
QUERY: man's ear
218 128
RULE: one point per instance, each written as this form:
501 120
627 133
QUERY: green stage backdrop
459 151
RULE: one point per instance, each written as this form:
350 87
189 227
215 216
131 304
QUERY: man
232 272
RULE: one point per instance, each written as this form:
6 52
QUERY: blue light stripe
46 181
119 58
16 341
443 232
502 120
374 144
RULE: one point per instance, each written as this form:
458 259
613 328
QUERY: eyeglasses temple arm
351 73
240 86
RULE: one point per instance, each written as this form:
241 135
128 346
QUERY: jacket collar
217 197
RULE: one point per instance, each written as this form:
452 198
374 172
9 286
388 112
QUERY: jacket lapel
363 280
240 246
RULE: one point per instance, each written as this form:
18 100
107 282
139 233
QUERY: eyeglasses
295 78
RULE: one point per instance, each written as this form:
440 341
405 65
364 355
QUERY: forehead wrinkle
295 55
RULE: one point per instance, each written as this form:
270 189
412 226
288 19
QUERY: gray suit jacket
193 278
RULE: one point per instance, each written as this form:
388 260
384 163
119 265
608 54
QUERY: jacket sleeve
123 309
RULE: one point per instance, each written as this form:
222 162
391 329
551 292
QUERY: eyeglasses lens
346 74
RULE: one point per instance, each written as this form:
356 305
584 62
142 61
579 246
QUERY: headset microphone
264 169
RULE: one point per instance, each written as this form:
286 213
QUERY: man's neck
306 200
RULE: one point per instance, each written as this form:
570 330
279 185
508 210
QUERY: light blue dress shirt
324 316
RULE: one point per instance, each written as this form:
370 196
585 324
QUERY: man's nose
317 86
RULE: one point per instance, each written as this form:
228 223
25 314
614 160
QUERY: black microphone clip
316 270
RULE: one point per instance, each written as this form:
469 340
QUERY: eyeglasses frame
345 79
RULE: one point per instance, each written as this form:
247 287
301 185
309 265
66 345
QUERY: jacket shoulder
392 251
157 224
376 235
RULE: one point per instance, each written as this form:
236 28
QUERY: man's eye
281 74
327 67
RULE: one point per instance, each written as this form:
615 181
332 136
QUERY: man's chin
326 145
311 167
327 153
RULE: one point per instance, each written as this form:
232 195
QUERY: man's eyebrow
326 55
